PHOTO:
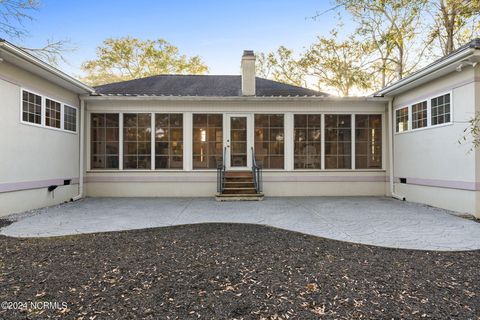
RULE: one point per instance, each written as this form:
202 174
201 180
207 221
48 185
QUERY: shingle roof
200 85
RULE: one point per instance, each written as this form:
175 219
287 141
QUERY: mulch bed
232 271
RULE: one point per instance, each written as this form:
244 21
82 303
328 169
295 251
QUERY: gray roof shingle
200 85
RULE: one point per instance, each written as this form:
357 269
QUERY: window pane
419 115
440 109
401 116
307 150
207 140
52 113
168 141
137 140
104 144
338 143
368 145
31 108
269 140
69 118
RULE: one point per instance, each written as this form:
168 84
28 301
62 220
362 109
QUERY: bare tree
13 14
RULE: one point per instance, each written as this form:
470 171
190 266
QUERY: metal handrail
221 173
257 174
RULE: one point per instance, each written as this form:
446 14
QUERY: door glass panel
238 141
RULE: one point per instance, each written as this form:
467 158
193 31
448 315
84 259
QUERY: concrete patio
367 220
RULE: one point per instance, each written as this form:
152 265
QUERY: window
338 141
419 115
31 107
307 149
168 141
137 141
441 109
401 116
53 111
69 118
269 140
104 141
368 141
207 140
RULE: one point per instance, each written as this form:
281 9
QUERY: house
197 135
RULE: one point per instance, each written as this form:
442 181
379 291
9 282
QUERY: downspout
390 150
82 142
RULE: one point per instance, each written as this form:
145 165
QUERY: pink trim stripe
151 179
452 184
213 179
326 179
27 185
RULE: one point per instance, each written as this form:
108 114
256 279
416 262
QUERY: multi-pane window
31 107
53 111
441 109
368 141
419 115
401 116
307 149
269 140
137 140
104 141
168 141
69 118
207 140
338 141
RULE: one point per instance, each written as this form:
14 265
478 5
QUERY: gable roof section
25 60
468 53
201 85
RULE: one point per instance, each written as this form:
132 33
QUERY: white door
239 141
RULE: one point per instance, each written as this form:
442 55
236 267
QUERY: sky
216 30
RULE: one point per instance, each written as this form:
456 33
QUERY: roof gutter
434 68
231 98
10 48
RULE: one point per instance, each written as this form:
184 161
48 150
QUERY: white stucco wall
439 170
286 182
33 156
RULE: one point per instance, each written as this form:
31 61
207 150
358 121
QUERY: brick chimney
248 73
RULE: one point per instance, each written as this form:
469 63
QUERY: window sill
426 128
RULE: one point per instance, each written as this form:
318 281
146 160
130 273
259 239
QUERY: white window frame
154 168
76 117
120 141
42 108
409 119
188 132
284 113
430 109
322 142
410 125
429 113
44 114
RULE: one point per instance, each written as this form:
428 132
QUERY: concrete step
239 191
239 197
239 184
230 174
